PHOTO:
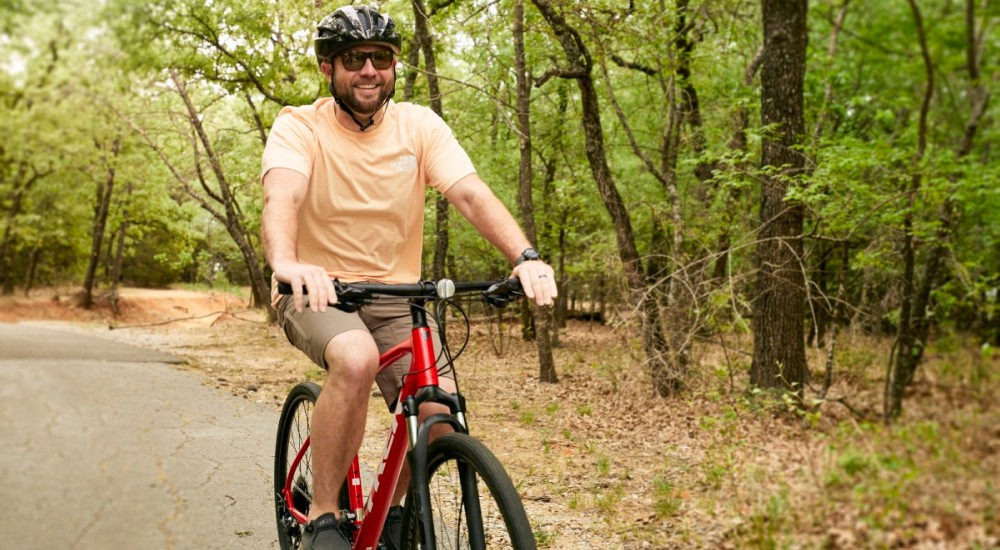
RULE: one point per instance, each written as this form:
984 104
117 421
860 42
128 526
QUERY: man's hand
538 281
315 280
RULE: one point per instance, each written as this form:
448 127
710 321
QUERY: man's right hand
315 280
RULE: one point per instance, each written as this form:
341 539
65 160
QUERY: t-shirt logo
405 163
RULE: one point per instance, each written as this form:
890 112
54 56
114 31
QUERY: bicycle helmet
349 26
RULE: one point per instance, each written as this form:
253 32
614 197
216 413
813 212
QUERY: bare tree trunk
411 69
579 69
737 143
24 179
902 360
116 270
104 193
838 317
822 310
423 38
779 359
831 50
911 342
542 318
29 277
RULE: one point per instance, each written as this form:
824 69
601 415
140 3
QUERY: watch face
530 254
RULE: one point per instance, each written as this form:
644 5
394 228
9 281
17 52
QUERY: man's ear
327 69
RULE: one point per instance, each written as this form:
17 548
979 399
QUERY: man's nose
368 68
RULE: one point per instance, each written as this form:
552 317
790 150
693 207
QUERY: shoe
392 531
326 533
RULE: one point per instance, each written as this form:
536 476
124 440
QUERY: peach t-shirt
363 214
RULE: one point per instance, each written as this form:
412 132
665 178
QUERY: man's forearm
490 218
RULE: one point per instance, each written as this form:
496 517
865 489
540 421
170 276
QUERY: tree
542 315
423 41
249 54
102 207
579 65
914 319
779 296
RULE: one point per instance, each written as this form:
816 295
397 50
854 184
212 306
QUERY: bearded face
365 90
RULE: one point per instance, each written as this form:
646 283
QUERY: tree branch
634 66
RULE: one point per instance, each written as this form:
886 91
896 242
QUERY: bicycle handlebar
351 296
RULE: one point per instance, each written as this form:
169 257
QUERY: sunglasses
355 61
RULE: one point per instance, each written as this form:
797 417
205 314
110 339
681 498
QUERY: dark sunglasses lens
355 61
381 59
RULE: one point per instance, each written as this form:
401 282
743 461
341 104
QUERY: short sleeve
289 145
444 160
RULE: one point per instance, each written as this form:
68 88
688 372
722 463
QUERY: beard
343 90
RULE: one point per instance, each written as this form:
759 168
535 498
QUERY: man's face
365 89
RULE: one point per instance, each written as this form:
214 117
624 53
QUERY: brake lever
349 298
503 292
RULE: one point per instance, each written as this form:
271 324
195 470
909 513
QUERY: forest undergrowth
603 463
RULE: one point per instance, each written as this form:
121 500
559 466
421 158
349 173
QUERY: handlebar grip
349 298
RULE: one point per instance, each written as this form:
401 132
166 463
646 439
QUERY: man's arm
284 191
490 217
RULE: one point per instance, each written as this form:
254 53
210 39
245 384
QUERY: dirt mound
136 306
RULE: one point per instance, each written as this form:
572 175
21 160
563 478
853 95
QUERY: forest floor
604 463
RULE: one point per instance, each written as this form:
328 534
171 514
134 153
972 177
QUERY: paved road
106 446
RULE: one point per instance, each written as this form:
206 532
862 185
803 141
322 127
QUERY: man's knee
352 356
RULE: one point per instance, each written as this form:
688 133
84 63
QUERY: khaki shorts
387 319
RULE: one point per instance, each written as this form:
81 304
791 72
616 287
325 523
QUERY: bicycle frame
420 385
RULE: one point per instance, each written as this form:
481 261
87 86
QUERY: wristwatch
529 255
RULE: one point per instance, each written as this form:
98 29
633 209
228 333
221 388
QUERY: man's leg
338 421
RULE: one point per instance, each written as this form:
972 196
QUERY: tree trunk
737 143
541 321
779 360
580 68
116 270
231 216
423 38
911 342
104 193
907 348
25 178
29 278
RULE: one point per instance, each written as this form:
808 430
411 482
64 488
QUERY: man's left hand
538 280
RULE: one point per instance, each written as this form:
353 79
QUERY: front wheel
293 429
473 502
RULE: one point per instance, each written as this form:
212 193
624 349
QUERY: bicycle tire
293 429
502 519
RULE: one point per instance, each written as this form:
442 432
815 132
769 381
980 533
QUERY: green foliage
69 90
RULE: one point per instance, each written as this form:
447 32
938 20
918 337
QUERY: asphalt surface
108 446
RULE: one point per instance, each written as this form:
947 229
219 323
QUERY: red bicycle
459 494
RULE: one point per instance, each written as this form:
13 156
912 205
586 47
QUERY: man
344 182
